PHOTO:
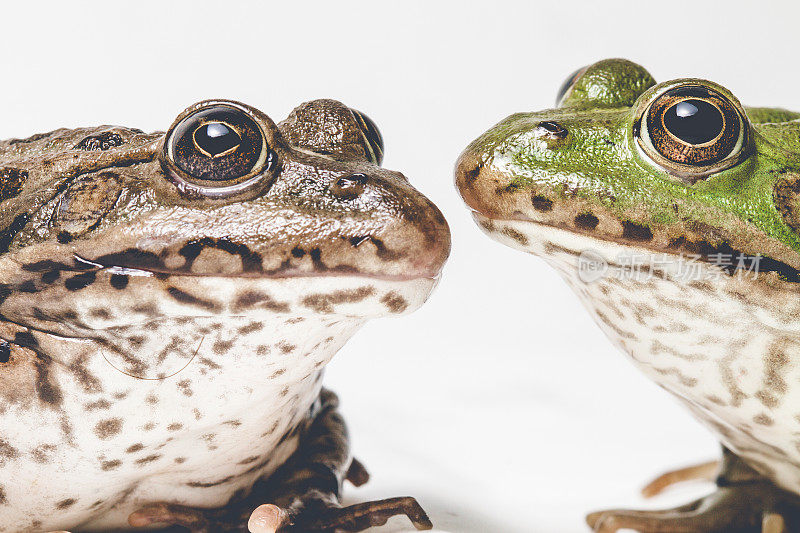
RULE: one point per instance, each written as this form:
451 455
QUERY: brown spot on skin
540 203
88 382
135 448
285 347
186 298
586 221
277 373
105 429
151 398
3 499
763 420
271 430
472 174
110 465
636 232
180 460
260 300
209 363
11 181
201 484
394 302
66 504
46 389
98 405
262 349
249 460
100 313
43 453
514 234
184 387
222 347
323 303
148 459
7 451
150 426
250 328
233 423
174 427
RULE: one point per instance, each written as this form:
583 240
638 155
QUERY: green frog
674 213
168 303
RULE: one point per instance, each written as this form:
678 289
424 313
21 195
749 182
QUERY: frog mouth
638 239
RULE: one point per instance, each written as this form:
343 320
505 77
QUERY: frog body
670 209
169 302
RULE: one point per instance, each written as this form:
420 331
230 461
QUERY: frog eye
216 149
373 140
692 131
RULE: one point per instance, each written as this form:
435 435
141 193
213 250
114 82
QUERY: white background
499 404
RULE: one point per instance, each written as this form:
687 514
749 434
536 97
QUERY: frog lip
84 265
685 250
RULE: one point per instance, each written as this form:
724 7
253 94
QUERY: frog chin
161 326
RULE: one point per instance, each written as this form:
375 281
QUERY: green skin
592 167
599 167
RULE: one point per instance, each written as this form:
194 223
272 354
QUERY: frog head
676 167
225 214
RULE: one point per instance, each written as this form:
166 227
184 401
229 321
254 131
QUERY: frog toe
747 508
356 517
193 519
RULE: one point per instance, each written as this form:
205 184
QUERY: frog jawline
519 240
274 274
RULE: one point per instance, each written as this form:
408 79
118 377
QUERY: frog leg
704 471
303 494
744 502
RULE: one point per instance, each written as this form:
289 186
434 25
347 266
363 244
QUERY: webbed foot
744 502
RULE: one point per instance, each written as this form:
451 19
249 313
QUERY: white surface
499 404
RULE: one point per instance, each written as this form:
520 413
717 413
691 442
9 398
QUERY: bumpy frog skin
672 211
168 305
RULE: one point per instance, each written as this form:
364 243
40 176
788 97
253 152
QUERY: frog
671 210
168 304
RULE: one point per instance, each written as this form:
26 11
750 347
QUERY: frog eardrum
216 149
691 130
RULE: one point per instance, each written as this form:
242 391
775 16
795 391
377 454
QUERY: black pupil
216 138
694 121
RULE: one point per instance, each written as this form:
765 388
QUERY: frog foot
311 515
744 502
303 494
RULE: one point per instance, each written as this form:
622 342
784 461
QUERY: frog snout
472 182
410 236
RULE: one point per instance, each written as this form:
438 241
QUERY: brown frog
168 303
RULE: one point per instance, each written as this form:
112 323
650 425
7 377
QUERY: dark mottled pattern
323 303
106 429
101 141
11 181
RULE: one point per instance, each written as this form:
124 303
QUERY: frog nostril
586 221
552 130
349 187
